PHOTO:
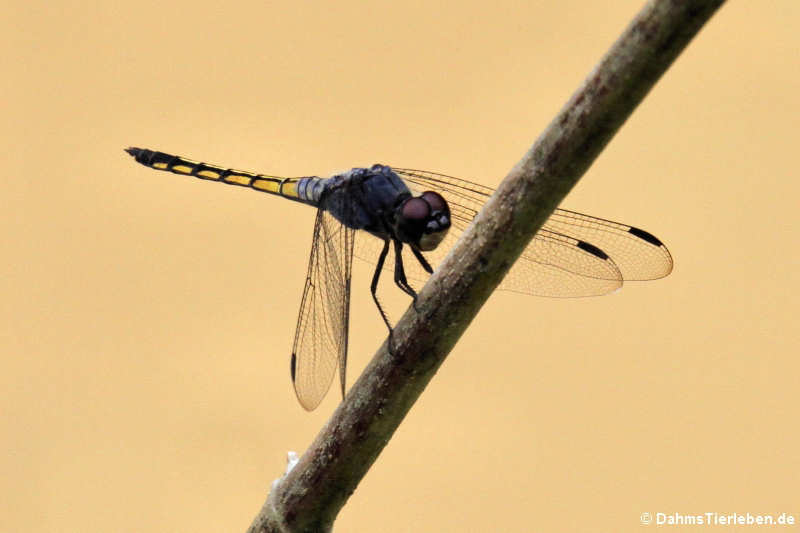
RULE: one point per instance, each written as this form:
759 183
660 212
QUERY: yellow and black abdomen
287 187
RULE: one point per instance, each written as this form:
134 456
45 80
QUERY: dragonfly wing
638 254
572 255
320 342
558 266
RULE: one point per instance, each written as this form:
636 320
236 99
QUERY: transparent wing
320 342
572 254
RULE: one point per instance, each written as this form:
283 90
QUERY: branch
311 495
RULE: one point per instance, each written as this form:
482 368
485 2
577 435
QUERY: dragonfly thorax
377 200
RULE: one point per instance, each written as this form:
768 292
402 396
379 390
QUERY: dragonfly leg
425 265
373 288
422 260
400 274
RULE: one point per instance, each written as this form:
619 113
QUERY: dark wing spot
592 249
293 365
645 236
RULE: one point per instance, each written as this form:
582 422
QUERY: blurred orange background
147 318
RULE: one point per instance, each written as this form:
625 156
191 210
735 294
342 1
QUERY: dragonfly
418 216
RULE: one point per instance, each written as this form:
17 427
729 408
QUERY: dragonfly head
423 220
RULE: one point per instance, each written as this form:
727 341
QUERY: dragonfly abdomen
298 189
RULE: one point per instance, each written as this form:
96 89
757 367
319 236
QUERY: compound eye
435 200
416 209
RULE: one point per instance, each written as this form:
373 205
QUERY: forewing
638 254
320 342
571 255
